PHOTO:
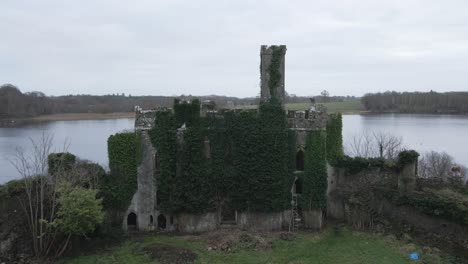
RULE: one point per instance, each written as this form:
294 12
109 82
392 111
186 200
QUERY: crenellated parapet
312 119
144 119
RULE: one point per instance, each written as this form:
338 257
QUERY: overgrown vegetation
444 203
56 203
78 215
118 187
334 137
163 138
315 175
274 69
60 161
223 160
407 157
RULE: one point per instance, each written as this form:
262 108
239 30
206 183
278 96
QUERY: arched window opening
300 160
298 186
151 219
162 221
171 220
132 220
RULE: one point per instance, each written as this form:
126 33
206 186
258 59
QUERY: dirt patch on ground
236 240
170 254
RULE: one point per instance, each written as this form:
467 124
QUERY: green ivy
315 175
118 187
163 137
334 137
249 164
187 113
274 69
60 162
357 164
407 157
443 204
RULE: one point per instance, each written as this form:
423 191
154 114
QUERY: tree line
15 104
417 102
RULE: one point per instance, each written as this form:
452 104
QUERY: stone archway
298 186
132 220
162 221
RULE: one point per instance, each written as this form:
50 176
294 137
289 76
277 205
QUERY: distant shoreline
82 116
65 117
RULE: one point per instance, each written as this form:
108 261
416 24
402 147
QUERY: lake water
88 138
447 133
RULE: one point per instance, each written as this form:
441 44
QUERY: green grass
326 247
348 107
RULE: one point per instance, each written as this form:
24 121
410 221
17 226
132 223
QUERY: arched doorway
300 160
298 186
162 221
132 221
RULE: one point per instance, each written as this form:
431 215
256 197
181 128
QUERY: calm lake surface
88 138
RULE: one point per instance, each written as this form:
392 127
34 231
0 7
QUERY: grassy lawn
326 247
348 107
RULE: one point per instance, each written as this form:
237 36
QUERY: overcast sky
151 47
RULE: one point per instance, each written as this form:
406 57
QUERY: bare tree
39 202
435 165
361 146
388 146
375 144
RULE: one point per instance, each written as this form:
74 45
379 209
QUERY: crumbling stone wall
143 203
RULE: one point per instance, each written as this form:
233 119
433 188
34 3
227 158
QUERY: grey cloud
212 47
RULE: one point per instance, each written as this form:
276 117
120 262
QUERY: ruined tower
272 72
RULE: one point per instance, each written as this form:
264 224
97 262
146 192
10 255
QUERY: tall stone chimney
272 59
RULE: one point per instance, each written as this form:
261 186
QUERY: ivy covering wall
243 159
274 69
334 137
118 188
315 174
163 138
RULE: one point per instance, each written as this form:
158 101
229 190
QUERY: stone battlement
144 119
315 118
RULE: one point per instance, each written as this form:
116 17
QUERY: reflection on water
448 133
87 139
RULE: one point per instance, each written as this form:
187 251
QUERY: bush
79 211
60 162
443 203
357 164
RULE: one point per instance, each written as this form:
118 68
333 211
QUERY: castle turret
272 60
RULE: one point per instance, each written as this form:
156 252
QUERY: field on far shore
346 107
231 246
